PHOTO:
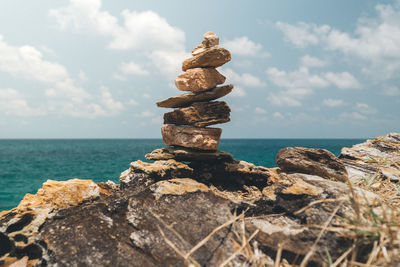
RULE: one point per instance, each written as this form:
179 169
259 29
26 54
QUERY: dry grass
373 228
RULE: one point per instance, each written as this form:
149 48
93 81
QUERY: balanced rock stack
185 129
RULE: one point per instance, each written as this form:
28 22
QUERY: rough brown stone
189 98
319 162
199 79
213 57
191 137
187 154
210 40
199 114
376 157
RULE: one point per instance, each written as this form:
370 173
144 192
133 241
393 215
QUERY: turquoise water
26 164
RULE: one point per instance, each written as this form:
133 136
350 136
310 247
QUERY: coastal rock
22 224
141 174
199 114
189 98
191 137
199 79
379 157
187 154
205 218
214 57
318 162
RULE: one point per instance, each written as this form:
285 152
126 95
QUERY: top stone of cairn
207 54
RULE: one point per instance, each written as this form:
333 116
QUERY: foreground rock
170 213
211 58
189 98
199 79
191 137
311 161
377 158
185 154
199 114
200 219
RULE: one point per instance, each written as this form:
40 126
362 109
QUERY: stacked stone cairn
185 130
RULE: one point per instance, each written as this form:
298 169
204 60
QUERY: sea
26 164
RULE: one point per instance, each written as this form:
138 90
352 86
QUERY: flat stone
214 57
189 98
376 157
191 137
311 161
199 79
187 154
199 114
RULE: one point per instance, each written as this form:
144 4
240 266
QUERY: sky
300 69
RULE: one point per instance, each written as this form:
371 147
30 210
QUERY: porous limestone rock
212 58
199 114
199 79
187 154
189 98
312 161
373 158
142 174
191 137
22 224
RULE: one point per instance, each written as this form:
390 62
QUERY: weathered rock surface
199 79
191 137
312 161
199 114
189 98
212 58
379 157
187 154
20 226
169 213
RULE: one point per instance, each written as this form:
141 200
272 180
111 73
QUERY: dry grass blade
202 242
240 249
374 253
342 257
312 250
278 255
314 203
172 245
359 264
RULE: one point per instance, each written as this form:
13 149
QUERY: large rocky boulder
202 213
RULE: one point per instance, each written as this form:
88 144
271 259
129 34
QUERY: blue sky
301 69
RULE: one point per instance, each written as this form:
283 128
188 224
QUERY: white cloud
301 82
243 46
333 102
285 98
364 108
278 115
132 68
13 103
300 78
245 79
259 110
132 102
28 62
144 31
237 92
353 116
113 106
145 114
391 91
375 40
312 62
343 80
